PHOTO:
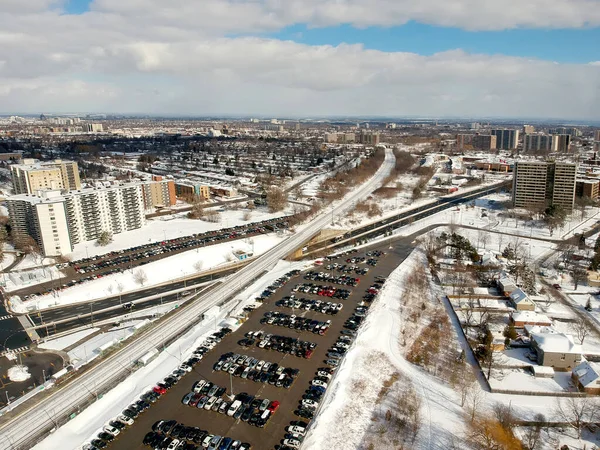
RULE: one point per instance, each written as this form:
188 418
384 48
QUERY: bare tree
277 199
577 411
110 289
120 288
504 415
581 329
485 239
198 265
465 383
140 277
579 275
500 241
532 435
474 399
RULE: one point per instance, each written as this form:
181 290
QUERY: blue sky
565 46
560 45
77 6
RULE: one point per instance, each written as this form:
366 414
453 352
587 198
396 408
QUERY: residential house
555 349
521 300
586 377
521 318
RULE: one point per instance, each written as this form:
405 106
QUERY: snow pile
17 374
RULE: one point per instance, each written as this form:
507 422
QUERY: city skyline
302 58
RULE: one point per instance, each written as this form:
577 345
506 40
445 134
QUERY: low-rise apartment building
33 175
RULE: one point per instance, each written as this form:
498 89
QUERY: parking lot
292 367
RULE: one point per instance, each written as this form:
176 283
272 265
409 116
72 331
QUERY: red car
556 286
274 406
308 354
159 390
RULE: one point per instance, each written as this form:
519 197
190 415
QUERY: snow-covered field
85 426
163 270
172 227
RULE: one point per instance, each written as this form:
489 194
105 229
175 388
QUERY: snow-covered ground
172 227
85 426
157 272
68 340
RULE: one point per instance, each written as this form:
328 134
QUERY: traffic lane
170 407
64 312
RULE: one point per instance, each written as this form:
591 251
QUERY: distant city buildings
528 129
506 139
32 175
539 142
475 142
93 128
541 184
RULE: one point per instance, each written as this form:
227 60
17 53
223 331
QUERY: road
79 314
24 427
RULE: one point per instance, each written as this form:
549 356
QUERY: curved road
22 429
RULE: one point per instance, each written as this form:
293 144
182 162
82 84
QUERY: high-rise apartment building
506 139
32 175
528 129
93 127
58 221
475 142
537 142
561 142
540 184
368 138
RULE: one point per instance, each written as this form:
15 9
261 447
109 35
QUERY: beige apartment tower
32 176
541 184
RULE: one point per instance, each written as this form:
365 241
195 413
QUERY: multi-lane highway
22 428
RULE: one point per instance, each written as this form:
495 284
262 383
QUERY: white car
319 383
293 443
185 368
324 374
111 430
309 404
296 429
233 408
173 445
125 419
199 385
209 404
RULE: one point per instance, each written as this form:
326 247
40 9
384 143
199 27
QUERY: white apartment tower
59 221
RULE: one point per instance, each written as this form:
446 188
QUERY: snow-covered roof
531 316
551 341
588 373
519 297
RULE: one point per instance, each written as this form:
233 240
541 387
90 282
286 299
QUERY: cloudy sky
435 58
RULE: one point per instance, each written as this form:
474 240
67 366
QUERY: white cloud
245 15
171 57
